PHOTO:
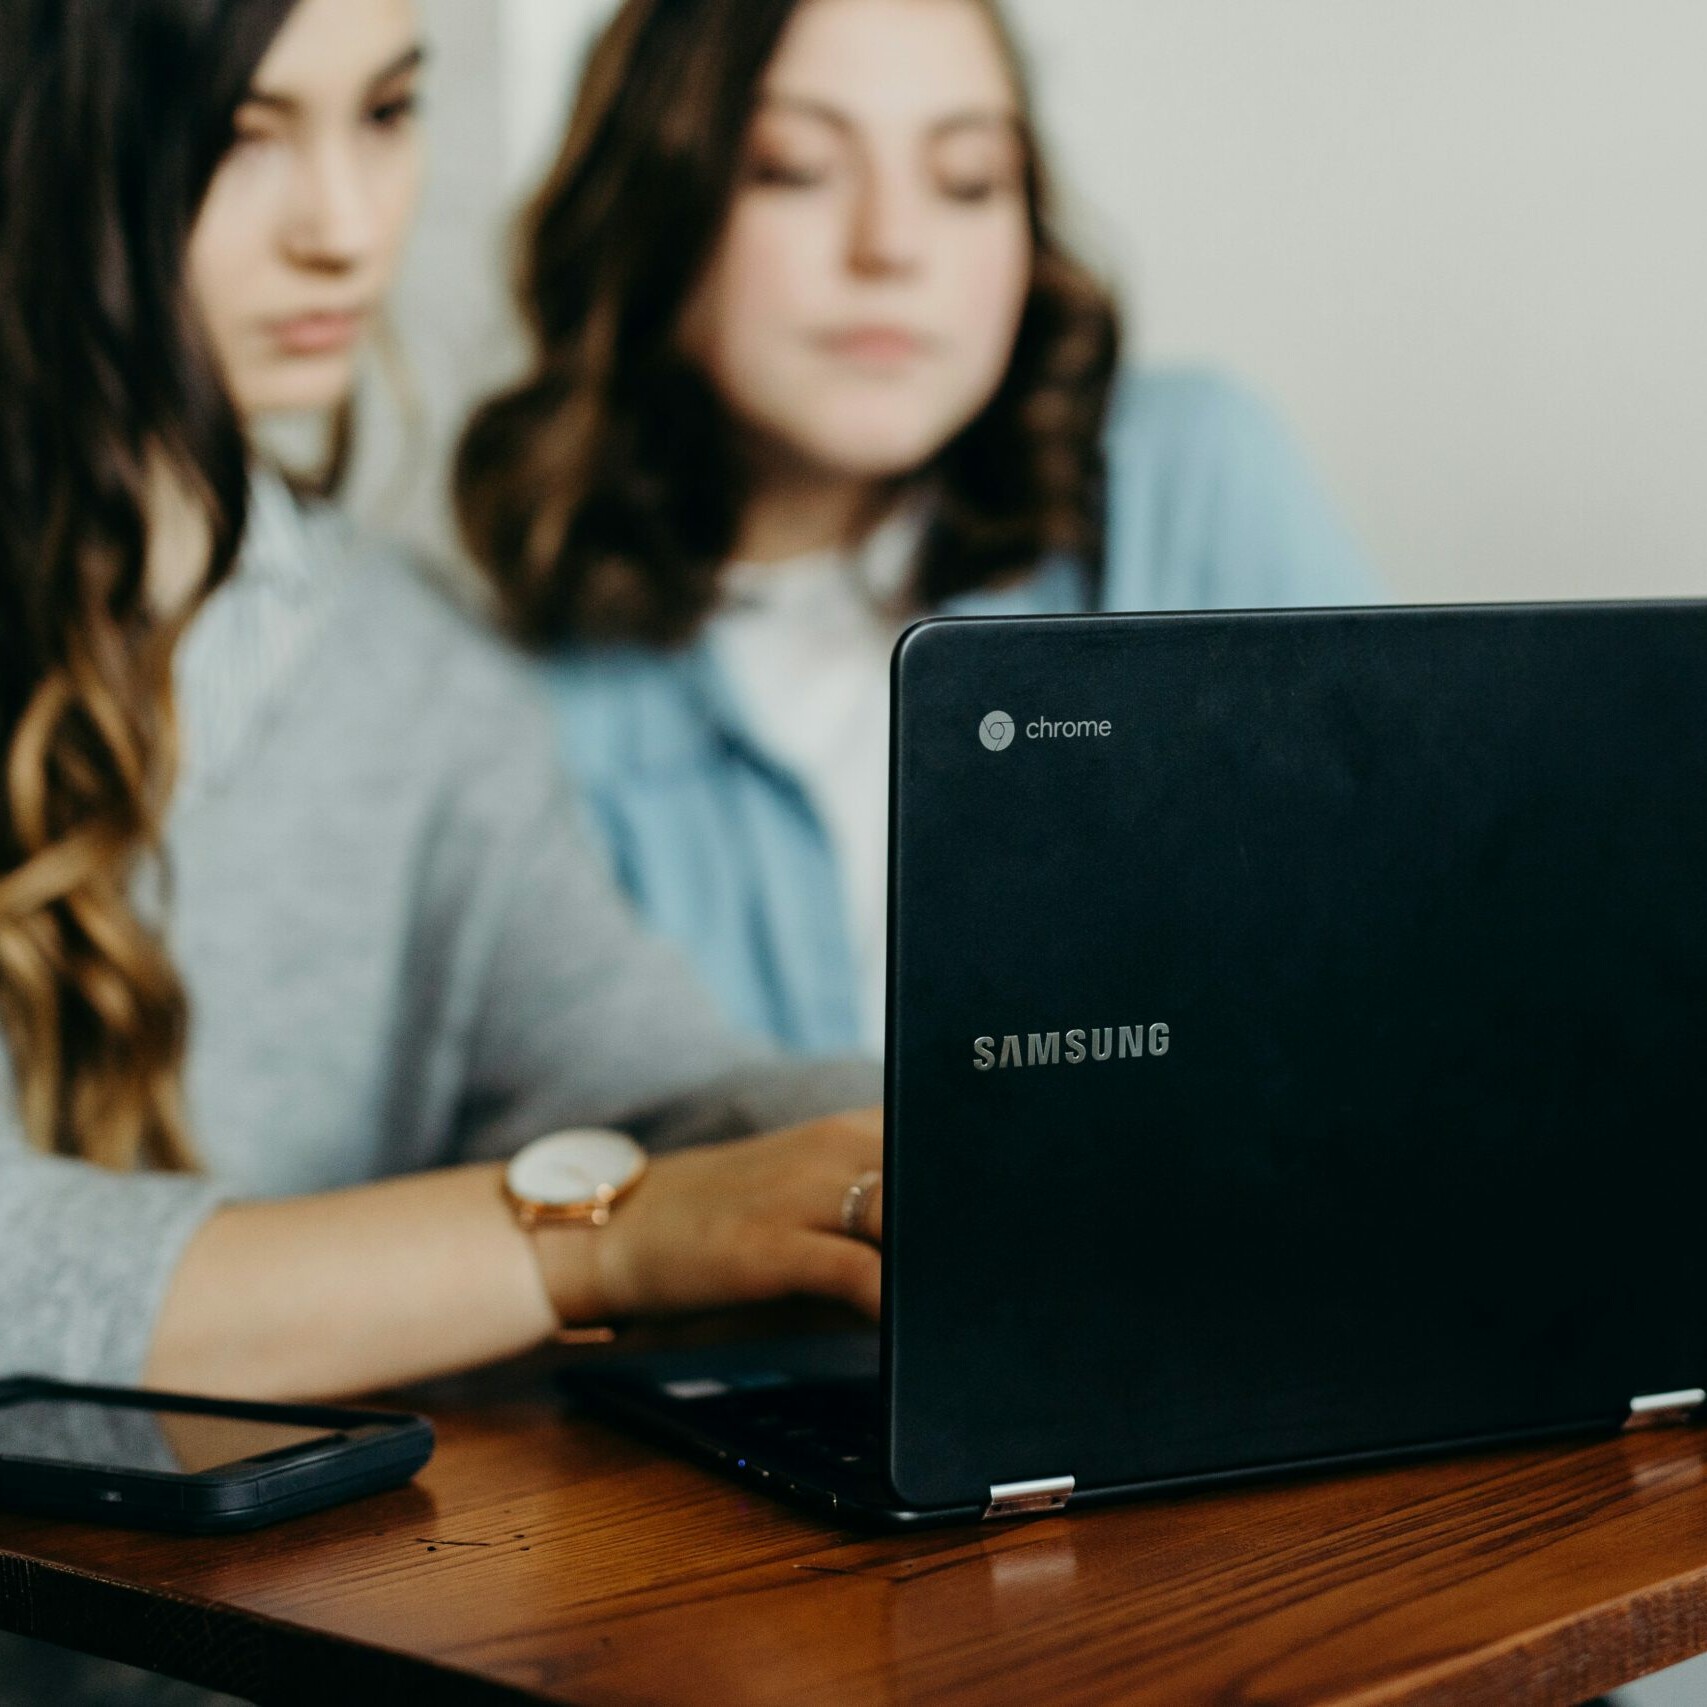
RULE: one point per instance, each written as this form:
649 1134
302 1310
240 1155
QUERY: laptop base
734 1408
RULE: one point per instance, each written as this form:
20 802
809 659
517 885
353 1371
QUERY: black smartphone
146 1460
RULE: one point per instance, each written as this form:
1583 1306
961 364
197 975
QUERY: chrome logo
996 731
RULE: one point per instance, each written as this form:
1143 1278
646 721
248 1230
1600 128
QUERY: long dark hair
603 493
114 115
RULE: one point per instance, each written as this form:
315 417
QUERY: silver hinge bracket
1650 1410
1028 1499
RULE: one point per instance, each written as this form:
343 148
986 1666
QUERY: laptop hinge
1027 1499
1649 1410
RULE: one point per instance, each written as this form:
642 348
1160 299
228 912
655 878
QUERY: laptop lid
1295 1036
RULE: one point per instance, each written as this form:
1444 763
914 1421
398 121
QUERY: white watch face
574 1167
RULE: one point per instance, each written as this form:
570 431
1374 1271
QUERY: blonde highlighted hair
114 115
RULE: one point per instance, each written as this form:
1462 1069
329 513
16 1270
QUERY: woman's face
862 303
300 232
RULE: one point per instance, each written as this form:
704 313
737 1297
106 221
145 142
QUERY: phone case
376 1450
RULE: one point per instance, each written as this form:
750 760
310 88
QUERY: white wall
543 41
1460 245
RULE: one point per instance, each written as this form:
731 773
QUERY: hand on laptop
741 1223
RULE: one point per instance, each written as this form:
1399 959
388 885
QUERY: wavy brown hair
113 117
602 494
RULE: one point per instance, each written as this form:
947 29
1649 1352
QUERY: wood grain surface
545 1557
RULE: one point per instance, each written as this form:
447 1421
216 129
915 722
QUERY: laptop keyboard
833 1425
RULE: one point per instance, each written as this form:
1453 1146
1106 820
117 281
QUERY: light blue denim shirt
717 841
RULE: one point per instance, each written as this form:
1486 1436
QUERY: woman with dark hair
811 362
290 894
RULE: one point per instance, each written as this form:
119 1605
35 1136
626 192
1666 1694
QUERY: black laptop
1297 1057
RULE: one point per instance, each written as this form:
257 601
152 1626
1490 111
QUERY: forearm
385 1284
350 1291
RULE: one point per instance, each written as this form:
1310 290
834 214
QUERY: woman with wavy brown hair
291 897
811 361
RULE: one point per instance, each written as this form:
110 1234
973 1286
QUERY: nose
887 235
331 225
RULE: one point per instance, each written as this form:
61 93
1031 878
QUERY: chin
303 386
876 449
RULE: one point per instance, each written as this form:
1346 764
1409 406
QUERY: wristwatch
572 1177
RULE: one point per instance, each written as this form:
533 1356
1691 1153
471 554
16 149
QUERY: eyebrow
411 59
972 118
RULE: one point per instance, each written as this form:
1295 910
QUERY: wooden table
545 1558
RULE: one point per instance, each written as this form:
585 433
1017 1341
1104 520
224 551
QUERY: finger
833 1267
864 1133
836 1203
855 1147
855 1137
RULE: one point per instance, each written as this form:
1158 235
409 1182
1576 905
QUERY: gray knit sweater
398 951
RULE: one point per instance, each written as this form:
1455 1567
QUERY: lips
877 344
321 332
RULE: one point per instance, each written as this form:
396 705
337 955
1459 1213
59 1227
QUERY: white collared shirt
805 645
